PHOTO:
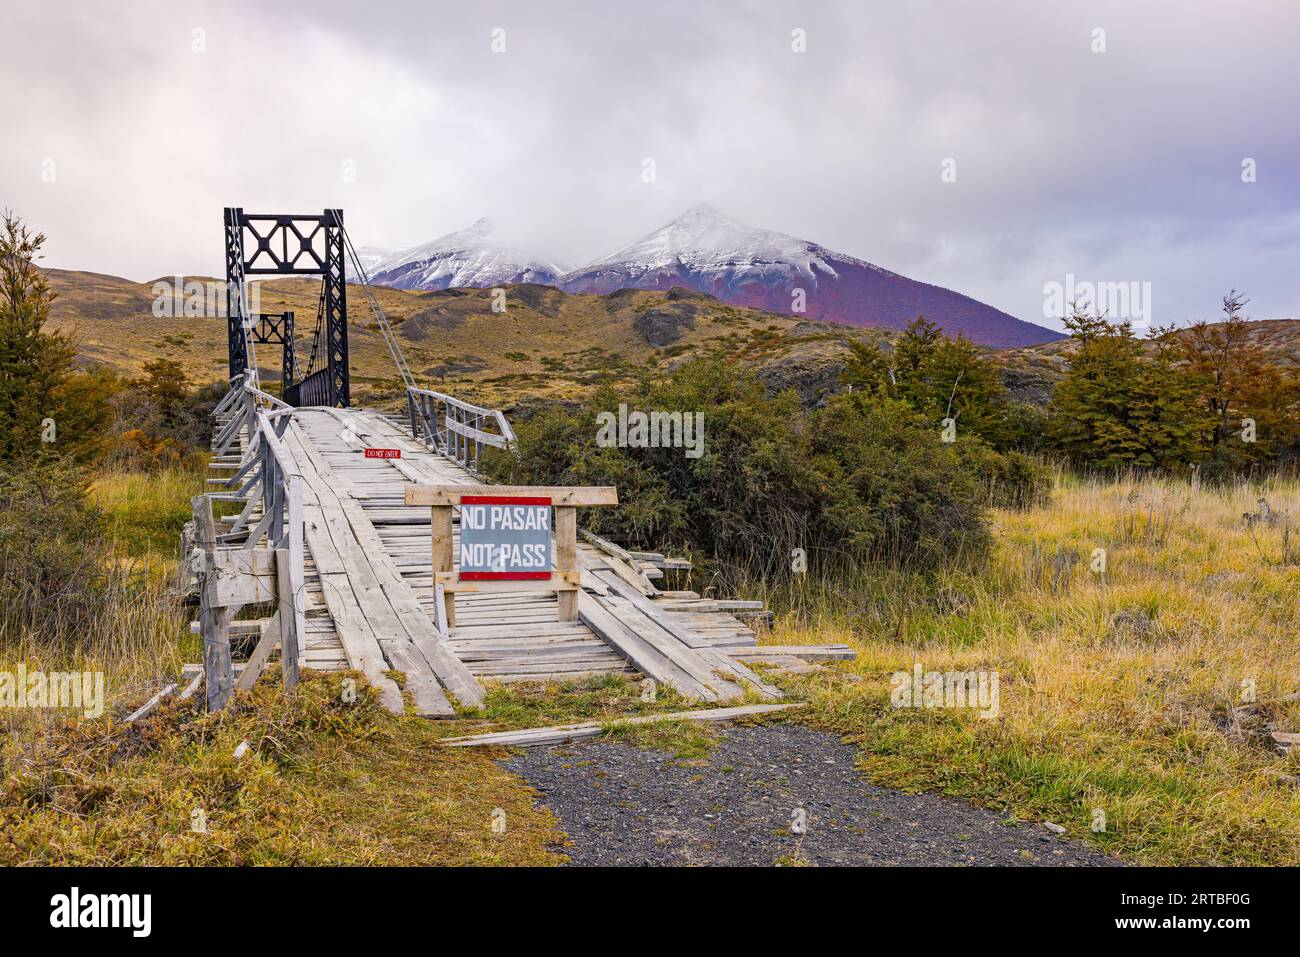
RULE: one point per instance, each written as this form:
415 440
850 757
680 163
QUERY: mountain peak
704 213
702 238
468 257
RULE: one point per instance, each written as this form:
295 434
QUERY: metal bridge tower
269 244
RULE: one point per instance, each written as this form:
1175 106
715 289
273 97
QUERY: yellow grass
1117 694
1117 691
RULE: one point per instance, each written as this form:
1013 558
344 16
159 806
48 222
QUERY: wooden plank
261 653
147 708
559 734
655 662
193 686
356 636
292 622
205 529
566 559
630 572
238 576
391 607
711 659
443 560
804 652
560 495
217 668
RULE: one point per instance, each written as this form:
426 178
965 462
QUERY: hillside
1031 372
547 343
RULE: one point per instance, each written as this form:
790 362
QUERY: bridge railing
260 557
310 390
239 410
456 428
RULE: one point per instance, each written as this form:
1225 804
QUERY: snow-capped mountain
704 250
702 244
470 257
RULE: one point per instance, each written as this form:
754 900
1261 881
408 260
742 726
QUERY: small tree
1237 382
938 377
165 383
1117 406
47 406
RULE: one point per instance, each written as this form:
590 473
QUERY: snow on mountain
706 251
370 256
704 242
470 257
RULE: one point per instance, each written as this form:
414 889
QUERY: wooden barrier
565 578
255 561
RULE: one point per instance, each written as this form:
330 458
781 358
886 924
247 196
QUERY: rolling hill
548 344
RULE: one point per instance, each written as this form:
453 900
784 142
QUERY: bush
51 549
864 479
895 491
1011 480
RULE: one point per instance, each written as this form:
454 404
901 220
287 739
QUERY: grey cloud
1123 165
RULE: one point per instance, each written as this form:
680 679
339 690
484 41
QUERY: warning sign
504 538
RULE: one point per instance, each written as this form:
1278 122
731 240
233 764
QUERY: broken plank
559 734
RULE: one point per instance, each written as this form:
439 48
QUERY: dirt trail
624 805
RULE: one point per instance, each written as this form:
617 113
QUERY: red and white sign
383 453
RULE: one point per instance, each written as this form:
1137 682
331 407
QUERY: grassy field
1121 692
1125 694
138 634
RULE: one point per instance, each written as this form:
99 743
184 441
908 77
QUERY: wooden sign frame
565 578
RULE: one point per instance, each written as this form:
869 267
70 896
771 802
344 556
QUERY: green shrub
864 479
51 548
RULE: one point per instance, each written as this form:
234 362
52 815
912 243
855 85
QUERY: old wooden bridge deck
357 589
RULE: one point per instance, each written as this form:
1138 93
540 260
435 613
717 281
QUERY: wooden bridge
347 560
325 541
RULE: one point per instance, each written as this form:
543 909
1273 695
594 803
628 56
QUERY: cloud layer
1116 166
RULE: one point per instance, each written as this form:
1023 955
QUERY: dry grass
136 632
1118 690
322 782
145 511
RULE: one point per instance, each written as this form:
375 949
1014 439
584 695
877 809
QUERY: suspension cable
390 339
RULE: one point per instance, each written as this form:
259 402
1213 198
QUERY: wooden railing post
566 557
443 559
287 608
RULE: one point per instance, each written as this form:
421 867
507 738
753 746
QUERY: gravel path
626 805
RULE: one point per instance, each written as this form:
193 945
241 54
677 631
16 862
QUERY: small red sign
383 453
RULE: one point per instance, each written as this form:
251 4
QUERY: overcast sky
126 132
